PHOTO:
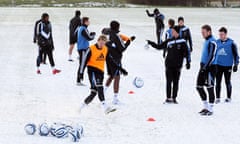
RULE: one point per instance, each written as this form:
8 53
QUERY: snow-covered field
28 97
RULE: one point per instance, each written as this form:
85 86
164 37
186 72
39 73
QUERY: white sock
105 89
83 105
53 68
38 68
115 95
104 105
70 56
210 107
205 104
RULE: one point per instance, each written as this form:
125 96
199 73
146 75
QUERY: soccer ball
44 129
30 129
138 82
60 130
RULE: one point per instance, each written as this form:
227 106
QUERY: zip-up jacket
185 33
84 37
75 23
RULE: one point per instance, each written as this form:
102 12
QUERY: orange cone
151 120
131 92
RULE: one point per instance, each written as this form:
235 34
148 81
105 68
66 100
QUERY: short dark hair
78 13
207 27
85 19
177 29
156 11
45 15
171 22
223 29
180 19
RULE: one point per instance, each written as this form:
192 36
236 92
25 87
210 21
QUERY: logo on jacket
101 57
222 52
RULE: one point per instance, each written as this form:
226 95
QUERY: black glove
132 38
127 43
188 66
124 72
235 68
203 70
150 42
34 41
92 33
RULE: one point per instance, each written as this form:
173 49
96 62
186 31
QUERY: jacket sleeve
190 40
42 32
187 53
85 59
119 43
35 31
212 50
149 14
235 54
159 47
87 35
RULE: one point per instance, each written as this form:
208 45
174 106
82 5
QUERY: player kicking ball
96 58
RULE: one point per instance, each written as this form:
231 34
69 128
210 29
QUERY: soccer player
116 48
45 42
84 36
96 57
227 60
168 34
177 50
75 23
159 19
185 33
207 70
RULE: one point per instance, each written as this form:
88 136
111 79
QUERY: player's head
78 13
156 11
101 41
45 17
206 31
180 21
171 23
115 25
223 33
175 31
85 21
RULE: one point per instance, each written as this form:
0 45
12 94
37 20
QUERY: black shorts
72 40
207 78
112 69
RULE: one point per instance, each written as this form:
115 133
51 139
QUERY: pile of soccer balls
57 130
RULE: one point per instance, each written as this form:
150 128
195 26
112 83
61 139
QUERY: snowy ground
27 97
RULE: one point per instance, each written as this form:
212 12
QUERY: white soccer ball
44 129
60 130
30 129
74 135
138 82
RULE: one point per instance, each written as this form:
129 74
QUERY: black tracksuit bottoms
172 76
227 72
42 52
96 80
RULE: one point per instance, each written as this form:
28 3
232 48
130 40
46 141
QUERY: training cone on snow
151 120
131 92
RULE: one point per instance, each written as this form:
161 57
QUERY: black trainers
228 100
217 101
168 101
203 111
174 101
207 113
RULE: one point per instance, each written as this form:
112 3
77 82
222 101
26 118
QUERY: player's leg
227 76
219 75
176 78
169 78
39 60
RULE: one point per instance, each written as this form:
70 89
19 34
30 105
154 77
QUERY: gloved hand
235 68
34 41
147 11
203 70
188 66
124 72
92 33
133 38
150 42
